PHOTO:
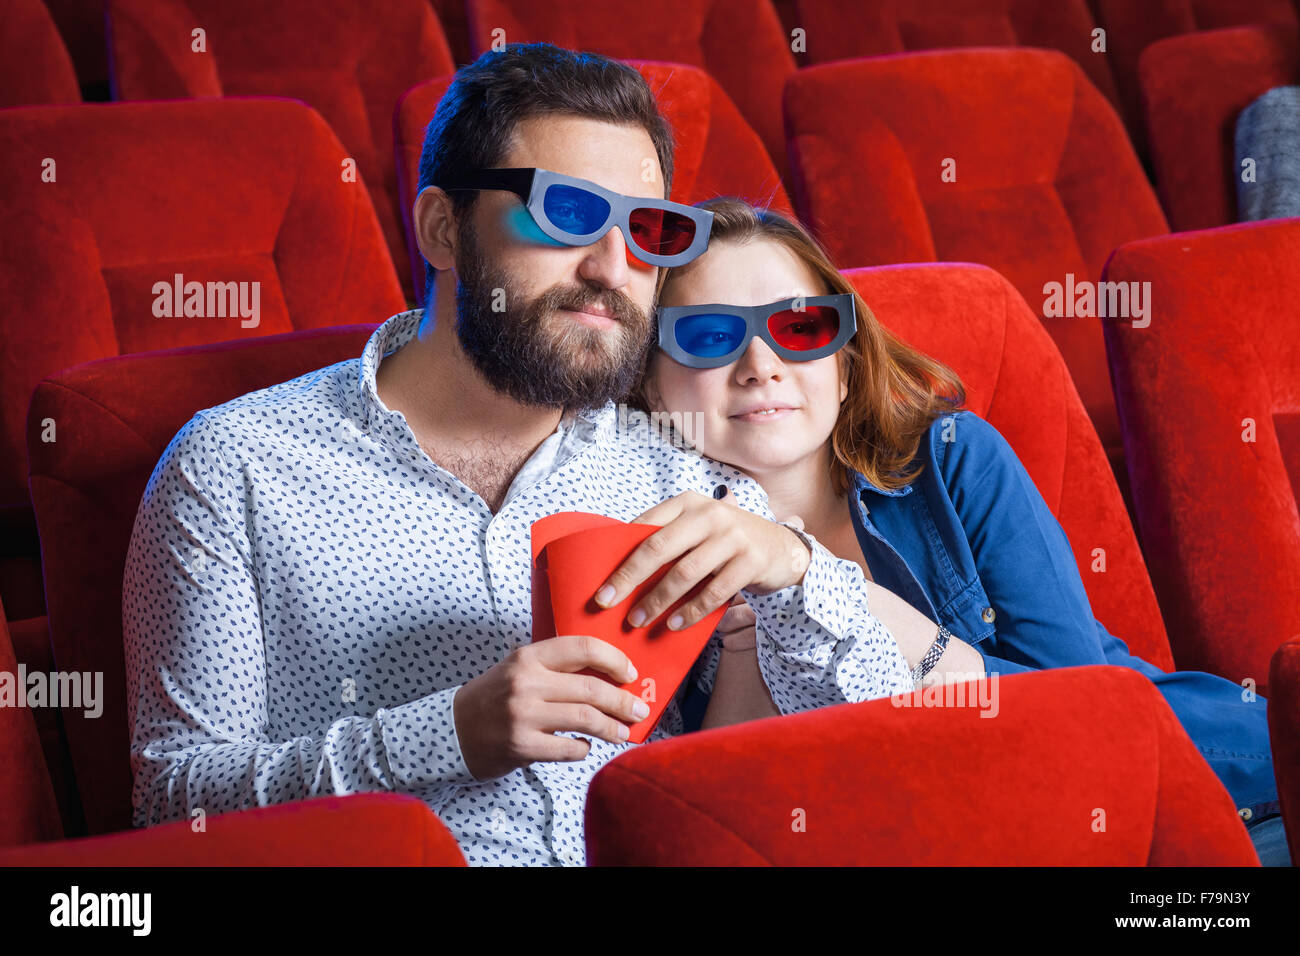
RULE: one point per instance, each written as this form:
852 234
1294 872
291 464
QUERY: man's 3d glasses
577 212
798 330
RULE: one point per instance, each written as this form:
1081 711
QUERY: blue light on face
709 335
575 210
521 225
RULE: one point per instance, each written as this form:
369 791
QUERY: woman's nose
759 363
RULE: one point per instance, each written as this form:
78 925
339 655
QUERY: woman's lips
764 416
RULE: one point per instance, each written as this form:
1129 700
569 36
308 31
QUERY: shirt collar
860 483
587 423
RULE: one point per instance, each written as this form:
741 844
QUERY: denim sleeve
1021 553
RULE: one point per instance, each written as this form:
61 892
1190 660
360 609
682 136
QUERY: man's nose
605 260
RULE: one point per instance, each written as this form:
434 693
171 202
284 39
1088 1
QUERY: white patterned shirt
306 590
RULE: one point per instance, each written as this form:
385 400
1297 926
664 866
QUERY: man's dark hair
478 114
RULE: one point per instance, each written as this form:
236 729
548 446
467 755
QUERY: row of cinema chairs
230 188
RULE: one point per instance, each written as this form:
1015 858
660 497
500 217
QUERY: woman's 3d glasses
798 330
577 212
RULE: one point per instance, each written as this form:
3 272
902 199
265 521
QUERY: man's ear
435 227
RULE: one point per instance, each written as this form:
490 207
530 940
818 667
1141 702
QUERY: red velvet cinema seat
115 418
1284 730
1133 25
1210 398
350 61
847 29
1006 157
741 43
28 811
370 829
1194 87
717 152
971 319
34 64
105 205
1052 780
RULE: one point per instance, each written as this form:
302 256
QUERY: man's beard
539 358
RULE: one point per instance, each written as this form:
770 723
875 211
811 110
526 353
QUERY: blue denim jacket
971 544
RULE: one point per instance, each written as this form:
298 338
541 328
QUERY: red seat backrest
217 191
350 61
717 153
846 29
1210 395
115 417
1194 87
1133 25
34 63
1006 157
741 43
972 320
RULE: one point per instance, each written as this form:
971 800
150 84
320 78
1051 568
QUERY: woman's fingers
739 615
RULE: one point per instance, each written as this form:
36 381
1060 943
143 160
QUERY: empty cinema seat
971 319
1047 783
34 63
115 418
717 152
1210 399
106 204
1133 25
348 60
741 43
1046 183
1195 87
367 829
846 29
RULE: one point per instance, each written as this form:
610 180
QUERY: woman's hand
708 538
739 626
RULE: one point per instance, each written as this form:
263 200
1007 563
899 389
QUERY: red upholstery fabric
81 22
1133 25
369 829
31 648
86 490
1194 87
28 810
1046 181
451 14
230 190
717 152
845 29
741 43
1284 733
1031 787
971 319
1219 511
34 64
350 61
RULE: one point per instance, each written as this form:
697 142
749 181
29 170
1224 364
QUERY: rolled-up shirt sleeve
196 667
819 643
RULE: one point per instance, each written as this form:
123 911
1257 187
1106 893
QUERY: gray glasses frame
756 317
530 185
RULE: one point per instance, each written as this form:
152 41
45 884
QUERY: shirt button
1246 813
988 615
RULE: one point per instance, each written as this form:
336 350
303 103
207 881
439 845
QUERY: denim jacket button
1246 813
988 615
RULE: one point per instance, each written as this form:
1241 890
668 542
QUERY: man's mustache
579 300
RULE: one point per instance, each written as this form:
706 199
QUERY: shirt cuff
819 597
421 743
